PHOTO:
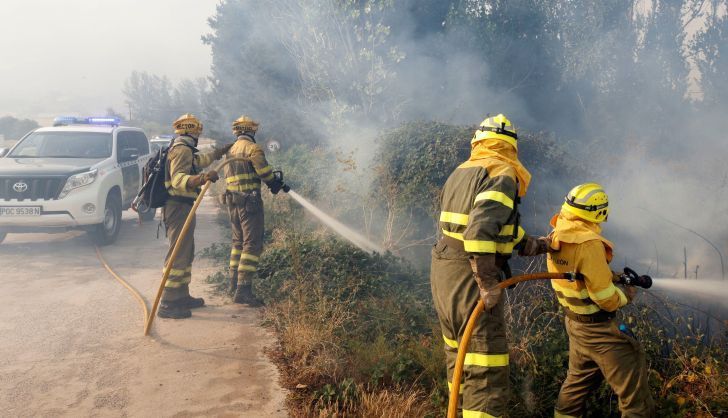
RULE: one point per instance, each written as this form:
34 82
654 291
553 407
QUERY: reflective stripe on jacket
480 206
581 249
183 161
244 176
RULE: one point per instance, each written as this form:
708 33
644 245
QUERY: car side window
124 140
140 142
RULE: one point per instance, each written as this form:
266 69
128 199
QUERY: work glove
196 181
211 176
275 186
486 274
535 246
220 152
630 292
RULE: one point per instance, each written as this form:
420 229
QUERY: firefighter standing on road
245 207
480 224
183 180
597 348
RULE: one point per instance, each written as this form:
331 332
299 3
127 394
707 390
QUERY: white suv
81 175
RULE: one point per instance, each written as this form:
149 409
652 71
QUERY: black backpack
153 193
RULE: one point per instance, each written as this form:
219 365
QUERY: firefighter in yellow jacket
183 179
245 207
480 224
597 348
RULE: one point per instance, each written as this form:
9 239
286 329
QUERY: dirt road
71 339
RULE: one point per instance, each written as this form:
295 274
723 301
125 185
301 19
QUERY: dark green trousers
174 215
485 385
600 351
247 223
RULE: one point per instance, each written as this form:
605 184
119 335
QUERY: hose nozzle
280 185
631 278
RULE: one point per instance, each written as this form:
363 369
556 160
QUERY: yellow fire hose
177 246
452 408
124 283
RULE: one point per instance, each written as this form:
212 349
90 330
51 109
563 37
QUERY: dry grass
384 403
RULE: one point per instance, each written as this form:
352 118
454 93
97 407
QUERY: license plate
8 211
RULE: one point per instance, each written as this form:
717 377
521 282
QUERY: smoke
341 229
611 81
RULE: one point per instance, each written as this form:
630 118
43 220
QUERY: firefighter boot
244 296
233 285
188 301
171 306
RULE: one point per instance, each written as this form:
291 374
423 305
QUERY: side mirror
3 152
128 154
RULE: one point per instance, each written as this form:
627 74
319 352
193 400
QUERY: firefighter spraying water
350 235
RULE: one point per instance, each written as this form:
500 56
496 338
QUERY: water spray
350 235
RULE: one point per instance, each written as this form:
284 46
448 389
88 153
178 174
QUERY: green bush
358 333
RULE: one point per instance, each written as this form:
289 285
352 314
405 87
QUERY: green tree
12 128
149 98
711 47
252 73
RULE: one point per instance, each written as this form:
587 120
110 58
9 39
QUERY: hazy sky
72 56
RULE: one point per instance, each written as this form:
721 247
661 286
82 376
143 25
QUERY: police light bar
106 120
72 120
66 120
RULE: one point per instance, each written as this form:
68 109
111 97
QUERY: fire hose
124 283
178 246
629 278
452 408
183 234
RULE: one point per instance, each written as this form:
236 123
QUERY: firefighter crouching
480 224
183 180
245 207
597 348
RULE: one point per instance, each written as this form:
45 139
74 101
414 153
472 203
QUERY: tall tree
12 128
149 97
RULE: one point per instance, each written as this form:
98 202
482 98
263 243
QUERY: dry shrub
392 404
308 337
381 403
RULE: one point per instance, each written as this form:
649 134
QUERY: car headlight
78 180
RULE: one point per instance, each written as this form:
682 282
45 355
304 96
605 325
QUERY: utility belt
182 199
238 198
500 260
453 243
595 318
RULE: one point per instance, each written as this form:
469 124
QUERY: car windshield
64 145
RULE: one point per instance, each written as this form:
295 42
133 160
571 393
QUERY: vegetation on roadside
357 332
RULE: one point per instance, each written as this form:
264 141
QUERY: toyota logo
20 186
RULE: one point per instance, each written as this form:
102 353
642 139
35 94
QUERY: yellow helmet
187 124
588 201
245 124
498 127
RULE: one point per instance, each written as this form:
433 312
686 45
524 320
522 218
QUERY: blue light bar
72 120
67 120
106 120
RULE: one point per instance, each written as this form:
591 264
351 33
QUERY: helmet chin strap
249 134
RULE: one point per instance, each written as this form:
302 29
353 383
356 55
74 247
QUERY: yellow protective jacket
183 161
581 249
245 176
479 202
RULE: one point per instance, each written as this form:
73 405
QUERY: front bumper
61 213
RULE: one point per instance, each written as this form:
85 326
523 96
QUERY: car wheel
148 215
106 232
